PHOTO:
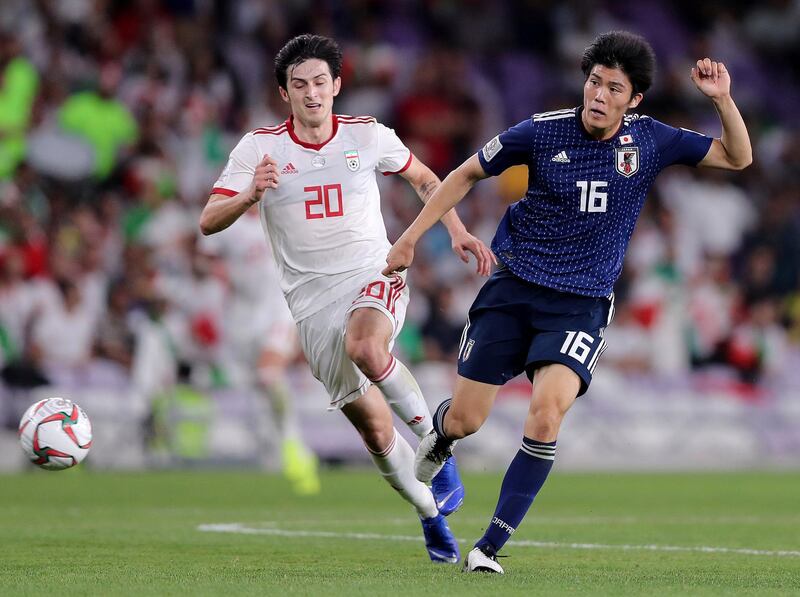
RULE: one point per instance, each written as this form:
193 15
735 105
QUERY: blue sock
524 478
438 417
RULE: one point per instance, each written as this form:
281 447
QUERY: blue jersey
571 230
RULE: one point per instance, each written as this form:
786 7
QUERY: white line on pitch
245 530
542 520
595 520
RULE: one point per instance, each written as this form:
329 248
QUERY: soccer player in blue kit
561 249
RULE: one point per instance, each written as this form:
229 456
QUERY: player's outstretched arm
732 151
425 183
446 197
221 211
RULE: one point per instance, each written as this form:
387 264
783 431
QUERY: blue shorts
515 326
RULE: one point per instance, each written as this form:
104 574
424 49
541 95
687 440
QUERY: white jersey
324 220
248 259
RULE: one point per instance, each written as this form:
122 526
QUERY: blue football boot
447 488
439 541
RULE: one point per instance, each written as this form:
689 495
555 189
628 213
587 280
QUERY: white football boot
477 561
432 452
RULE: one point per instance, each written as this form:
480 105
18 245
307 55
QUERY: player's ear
637 97
337 85
284 94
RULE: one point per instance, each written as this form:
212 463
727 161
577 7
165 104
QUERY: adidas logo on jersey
290 169
561 158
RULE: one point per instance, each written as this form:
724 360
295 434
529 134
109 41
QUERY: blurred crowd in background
116 118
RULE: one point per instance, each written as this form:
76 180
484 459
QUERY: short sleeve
510 148
679 146
393 156
238 172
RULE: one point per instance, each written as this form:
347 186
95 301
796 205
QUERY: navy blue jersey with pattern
572 228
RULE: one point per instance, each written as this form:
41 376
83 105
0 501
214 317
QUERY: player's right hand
266 177
400 257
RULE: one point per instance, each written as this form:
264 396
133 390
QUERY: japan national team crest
351 157
627 160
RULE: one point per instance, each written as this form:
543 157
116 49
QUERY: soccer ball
55 434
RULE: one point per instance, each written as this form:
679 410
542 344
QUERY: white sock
396 464
280 401
404 397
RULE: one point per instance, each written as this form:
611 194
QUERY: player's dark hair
305 47
626 51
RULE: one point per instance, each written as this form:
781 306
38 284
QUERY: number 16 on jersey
593 199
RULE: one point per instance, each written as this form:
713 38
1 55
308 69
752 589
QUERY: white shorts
253 327
322 336
267 324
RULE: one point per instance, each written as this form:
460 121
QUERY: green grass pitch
86 533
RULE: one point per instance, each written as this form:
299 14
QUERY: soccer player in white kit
261 338
314 179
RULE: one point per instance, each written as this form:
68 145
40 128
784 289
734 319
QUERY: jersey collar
314 146
586 134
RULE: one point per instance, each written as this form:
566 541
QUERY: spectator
18 84
115 336
63 331
104 122
757 345
442 330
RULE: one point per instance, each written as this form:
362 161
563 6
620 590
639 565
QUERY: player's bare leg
472 402
554 391
367 344
394 458
298 462
372 419
457 417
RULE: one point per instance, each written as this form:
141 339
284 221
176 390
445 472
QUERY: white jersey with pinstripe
324 220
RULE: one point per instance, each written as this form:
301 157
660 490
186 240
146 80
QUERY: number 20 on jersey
326 202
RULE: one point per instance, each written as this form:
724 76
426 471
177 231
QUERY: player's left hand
711 78
463 241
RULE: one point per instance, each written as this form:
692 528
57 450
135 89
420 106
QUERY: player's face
607 95
310 91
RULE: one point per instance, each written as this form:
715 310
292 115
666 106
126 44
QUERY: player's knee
376 437
368 355
545 422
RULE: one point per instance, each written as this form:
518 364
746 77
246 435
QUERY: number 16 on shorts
581 346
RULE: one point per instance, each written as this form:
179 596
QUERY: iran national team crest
351 157
627 160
